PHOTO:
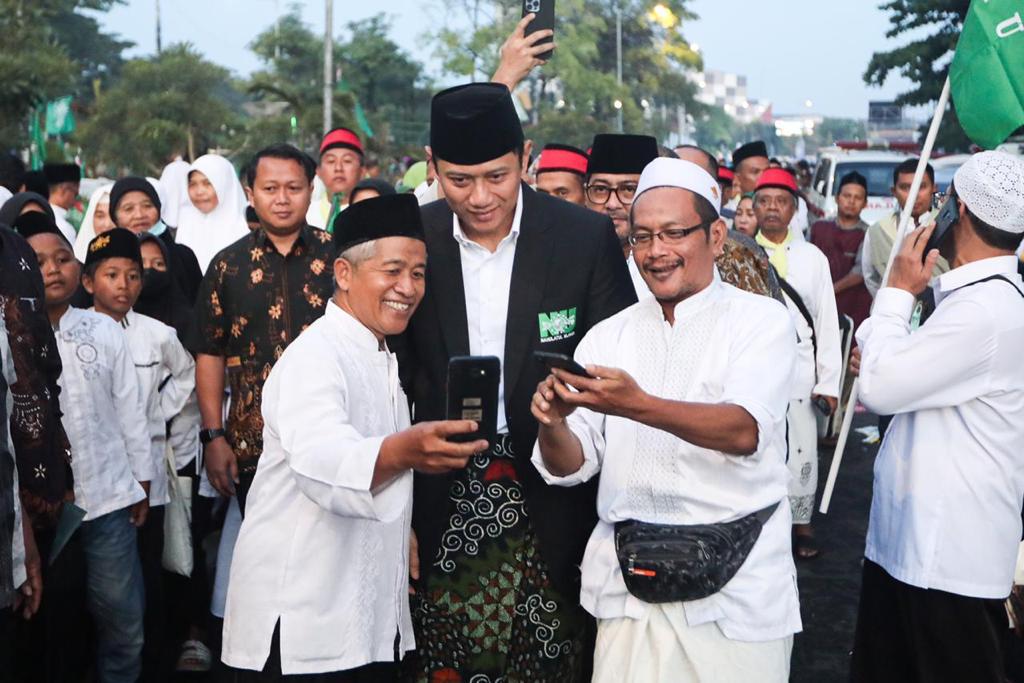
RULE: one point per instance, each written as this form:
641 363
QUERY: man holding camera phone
949 478
511 271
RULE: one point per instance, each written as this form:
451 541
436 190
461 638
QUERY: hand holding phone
560 361
948 216
544 20
473 395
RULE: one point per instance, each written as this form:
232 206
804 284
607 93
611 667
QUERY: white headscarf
88 230
208 233
174 180
5 194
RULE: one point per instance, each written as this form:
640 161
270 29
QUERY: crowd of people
229 446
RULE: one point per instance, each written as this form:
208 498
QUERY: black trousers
155 655
380 672
907 634
187 599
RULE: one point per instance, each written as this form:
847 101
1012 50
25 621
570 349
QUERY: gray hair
364 251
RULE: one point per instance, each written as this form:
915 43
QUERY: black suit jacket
567 257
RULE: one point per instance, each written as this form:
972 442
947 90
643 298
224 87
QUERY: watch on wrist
208 435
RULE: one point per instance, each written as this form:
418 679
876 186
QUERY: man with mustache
807 282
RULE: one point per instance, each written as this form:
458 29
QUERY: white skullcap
991 184
666 172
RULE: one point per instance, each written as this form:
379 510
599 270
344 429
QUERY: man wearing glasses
616 162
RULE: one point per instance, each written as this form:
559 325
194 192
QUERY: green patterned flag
59 119
987 73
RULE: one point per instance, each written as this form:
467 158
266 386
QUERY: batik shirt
252 304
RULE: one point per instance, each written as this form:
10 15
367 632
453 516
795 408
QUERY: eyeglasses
600 194
644 239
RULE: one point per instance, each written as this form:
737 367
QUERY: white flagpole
904 228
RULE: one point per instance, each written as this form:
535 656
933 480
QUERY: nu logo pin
557 325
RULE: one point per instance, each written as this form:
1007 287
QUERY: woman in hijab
215 215
97 220
135 204
23 202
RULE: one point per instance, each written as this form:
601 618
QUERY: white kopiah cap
666 172
991 184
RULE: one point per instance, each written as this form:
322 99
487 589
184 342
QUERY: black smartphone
473 395
560 361
949 214
545 19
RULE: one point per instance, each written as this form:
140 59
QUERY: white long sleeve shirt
104 414
318 549
809 275
167 379
949 478
726 346
60 216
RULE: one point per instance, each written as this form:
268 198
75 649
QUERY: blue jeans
114 595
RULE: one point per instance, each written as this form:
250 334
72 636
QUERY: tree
925 59
578 87
176 102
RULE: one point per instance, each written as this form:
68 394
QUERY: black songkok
37 223
62 173
853 178
474 123
393 215
116 243
620 154
757 148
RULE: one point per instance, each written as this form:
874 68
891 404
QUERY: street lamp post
618 57
328 64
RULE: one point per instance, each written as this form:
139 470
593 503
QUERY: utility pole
618 56
328 63
159 46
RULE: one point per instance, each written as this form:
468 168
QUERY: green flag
987 73
59 119
38 138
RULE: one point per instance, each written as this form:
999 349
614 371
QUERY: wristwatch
208 435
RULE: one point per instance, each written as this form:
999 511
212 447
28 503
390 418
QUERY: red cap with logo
341 137
777 178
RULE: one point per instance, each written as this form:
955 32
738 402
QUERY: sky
810 50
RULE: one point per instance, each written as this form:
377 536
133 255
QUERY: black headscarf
13 206
162 297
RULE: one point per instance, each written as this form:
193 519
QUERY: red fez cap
777 178
725 175
562 158
341 137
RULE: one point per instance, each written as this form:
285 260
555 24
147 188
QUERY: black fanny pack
676 563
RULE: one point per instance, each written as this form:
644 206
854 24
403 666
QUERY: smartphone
560 361
545 19
473 395
949 214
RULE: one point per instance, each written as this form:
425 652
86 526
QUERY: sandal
195 657
804 547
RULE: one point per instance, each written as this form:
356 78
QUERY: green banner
38 139
987 73
59 119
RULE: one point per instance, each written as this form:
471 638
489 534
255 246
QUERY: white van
835 162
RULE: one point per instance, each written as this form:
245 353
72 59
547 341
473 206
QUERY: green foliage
935 27
172 103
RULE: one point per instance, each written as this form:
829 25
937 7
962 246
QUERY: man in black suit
510 271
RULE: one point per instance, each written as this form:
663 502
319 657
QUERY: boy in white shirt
112 462
166 374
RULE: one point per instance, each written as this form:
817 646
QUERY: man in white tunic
686 423
807 286
949 477
319 580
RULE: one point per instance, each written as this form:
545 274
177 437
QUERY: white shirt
167 379
949 478
487 281
104 414
727 346
810 276
318 550
60 216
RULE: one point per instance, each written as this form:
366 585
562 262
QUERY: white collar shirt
318 550
166 373
60 216
639 285
726 346
487 282
810 276
949 477
104 414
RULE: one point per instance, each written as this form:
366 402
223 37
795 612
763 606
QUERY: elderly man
686 423
949 478
561 173
807 283
512 271
339 169
318 580
750 161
